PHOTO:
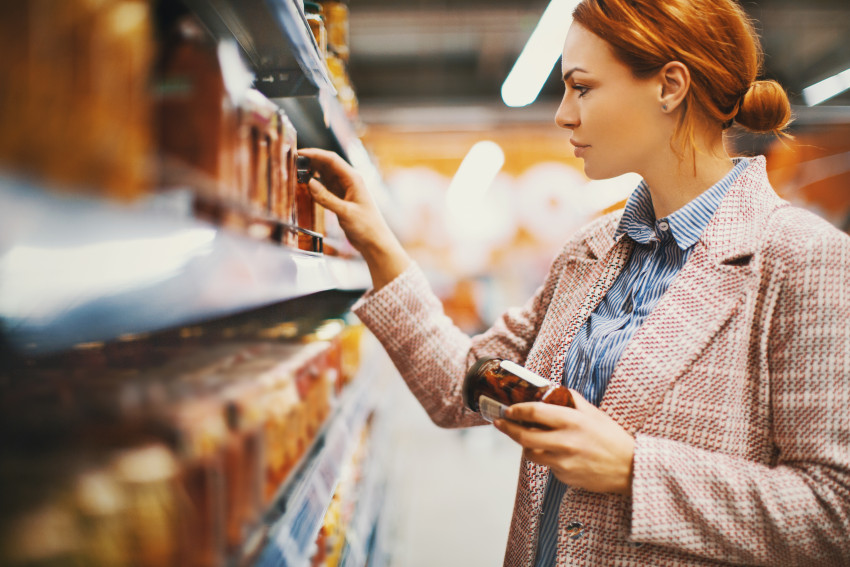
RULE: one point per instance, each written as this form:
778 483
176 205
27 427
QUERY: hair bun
765 108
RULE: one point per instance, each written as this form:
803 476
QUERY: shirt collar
687 224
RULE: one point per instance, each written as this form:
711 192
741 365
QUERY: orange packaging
196 118
76 108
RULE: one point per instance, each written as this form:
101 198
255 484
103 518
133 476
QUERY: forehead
588 51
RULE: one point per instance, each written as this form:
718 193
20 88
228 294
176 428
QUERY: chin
597 171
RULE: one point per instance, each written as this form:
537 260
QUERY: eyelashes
582 90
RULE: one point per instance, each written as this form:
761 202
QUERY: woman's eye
582 90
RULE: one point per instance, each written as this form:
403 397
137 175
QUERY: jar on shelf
492 384
197 119
201 436
336 22
260 117
316 19
283 203
309 214
152 513
76 105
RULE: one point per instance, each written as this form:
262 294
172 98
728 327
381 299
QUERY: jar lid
313 8
469 381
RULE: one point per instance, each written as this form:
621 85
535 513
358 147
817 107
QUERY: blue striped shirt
661 249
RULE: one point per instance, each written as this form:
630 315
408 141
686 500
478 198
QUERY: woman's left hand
584 447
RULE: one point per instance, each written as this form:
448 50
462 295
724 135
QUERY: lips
579 148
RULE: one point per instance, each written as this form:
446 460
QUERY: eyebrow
569 73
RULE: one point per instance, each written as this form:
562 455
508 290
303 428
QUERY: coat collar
738 225
734 230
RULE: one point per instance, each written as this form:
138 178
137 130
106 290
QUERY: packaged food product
315 18
146 476
310 215
76 109
336 22
492 384
284 203
244 459
350 339
202 434
260 117
196 117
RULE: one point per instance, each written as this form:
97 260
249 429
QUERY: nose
567 115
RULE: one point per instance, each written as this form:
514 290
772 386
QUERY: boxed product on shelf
76 106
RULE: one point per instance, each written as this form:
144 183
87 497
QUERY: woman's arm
341 190
430 352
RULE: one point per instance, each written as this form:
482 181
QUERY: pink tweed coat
736 388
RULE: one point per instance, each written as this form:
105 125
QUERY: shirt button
663 225
575 530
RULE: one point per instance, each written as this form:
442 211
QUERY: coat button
575 530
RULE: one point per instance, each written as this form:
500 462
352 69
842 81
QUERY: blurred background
182 381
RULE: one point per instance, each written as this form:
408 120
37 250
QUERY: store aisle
451 493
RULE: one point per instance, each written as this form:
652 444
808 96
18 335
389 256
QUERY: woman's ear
675 80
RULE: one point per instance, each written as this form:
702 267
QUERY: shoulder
798 237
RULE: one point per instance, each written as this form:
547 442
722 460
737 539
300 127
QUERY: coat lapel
573 301
704 297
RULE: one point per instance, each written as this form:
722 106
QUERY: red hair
714 39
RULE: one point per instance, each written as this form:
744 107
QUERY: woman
704 329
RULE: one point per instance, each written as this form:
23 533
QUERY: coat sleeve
797 510
432 354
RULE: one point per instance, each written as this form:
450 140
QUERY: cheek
622 127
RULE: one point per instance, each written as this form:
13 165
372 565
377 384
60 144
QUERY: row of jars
329 23
170 465
103 97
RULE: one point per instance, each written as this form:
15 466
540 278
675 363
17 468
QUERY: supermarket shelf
293 522
320 122
360 538
276 40
79 270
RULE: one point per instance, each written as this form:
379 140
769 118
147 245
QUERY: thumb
325 198
579 401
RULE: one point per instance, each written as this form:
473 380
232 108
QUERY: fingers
547 415
580 402
531 437
326 162
335 172
325 198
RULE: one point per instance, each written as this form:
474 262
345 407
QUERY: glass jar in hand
492 384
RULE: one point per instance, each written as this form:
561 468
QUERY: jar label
525 374
490 409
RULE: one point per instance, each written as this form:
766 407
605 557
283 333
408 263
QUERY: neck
674 183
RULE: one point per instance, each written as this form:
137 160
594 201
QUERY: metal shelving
293 522
276 41
79 270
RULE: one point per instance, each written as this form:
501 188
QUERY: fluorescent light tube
539 55
827 88
476 173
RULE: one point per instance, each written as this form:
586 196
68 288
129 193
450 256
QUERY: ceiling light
476 173
827 88
539 55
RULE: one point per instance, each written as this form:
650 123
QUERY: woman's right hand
340 189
